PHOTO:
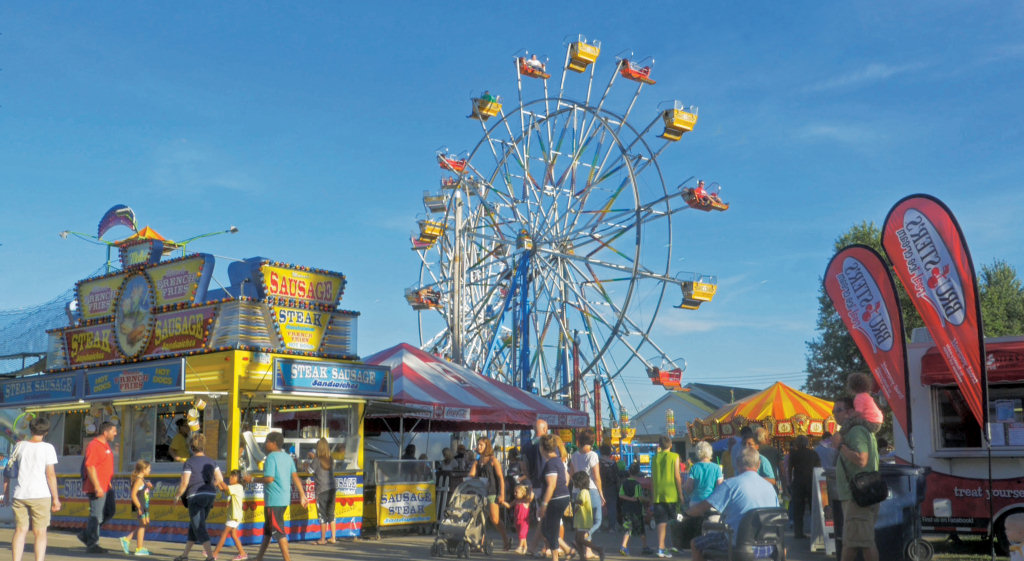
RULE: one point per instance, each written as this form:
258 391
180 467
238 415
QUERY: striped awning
454 396
779 401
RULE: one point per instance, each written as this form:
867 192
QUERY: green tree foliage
833 355
1002 300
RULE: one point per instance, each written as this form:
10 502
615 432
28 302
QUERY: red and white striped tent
452 397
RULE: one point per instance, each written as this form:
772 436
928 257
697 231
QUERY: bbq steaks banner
857 281
931 259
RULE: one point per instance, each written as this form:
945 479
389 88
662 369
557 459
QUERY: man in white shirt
34 489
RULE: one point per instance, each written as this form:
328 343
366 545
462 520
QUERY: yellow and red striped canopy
778 401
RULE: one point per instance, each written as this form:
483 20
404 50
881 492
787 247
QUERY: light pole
183 243
91 239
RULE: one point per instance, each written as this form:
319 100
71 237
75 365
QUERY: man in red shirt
99 471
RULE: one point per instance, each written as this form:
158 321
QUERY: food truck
948 440
152 344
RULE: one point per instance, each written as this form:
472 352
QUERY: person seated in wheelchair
733 498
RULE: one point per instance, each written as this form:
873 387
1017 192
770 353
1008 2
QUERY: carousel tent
433 394
781 409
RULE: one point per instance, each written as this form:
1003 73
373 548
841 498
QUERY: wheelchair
761 535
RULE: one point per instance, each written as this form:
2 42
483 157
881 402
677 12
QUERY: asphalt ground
394 545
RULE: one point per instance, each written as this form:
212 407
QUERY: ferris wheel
545 253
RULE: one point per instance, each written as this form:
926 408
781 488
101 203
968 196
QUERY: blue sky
312 128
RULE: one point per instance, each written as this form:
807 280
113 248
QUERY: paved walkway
393 546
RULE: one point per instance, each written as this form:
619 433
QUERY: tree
1002 300
833 355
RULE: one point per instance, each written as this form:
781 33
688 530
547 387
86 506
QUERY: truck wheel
919 550
999 532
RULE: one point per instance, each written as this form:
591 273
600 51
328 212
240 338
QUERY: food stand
406 493
150 344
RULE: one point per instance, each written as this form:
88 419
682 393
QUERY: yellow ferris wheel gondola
430 230
485 106
582 53
697 290
679 119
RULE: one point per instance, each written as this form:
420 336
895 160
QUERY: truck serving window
959 429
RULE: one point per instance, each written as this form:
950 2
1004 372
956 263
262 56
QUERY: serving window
304 424
959 429
149 429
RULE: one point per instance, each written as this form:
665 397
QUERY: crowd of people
30 487
547 490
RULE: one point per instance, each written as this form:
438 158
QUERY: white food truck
949 440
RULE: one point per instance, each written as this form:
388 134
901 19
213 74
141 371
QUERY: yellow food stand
150 345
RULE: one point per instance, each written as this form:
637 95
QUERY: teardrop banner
926 247
858 282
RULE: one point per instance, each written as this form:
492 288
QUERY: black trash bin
898 529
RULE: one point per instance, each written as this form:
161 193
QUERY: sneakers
623 551
182 557
94 548
142 552
240 557
125 545
662 554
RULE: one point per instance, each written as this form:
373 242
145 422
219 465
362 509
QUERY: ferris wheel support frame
564 152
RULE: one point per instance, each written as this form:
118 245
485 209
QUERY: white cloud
839 132
184 166
679 324
1004 52
875 72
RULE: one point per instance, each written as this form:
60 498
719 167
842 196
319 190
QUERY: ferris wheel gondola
554 248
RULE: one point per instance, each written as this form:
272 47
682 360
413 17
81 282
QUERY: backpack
635 493
609 473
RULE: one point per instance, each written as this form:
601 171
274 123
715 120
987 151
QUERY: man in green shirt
857 453
668 489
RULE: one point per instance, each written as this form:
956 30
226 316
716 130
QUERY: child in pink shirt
859 384
521 514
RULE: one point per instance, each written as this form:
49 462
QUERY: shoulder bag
13 463
868 488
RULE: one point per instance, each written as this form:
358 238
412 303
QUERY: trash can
898 529
899 517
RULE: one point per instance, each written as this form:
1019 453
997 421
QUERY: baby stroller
464 526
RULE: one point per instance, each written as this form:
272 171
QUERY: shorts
633 522
492 499
711 540
273 522
859 524
325 501
36 510
663 512
231 523
143 518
